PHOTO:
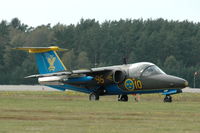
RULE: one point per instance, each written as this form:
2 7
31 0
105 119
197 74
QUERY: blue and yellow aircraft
121 80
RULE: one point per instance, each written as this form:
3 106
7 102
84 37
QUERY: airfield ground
69 112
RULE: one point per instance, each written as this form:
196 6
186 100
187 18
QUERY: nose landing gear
123 98
168 99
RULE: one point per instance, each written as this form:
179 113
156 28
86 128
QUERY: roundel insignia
129 84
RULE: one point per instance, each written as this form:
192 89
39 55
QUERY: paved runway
25 88
192 90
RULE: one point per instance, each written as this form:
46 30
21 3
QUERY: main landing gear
168 99
94 96
123 98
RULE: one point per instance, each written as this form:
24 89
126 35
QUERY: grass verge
59 112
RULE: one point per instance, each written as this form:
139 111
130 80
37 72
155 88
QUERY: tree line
172 45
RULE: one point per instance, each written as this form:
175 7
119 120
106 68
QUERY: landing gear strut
94 96
123 98
168 99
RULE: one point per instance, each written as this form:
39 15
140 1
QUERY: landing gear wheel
168 99
93 97
123 98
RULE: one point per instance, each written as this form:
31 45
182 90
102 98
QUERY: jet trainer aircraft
121 80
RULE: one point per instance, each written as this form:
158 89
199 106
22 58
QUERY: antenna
95 61
124 60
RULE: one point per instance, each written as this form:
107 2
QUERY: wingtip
31 76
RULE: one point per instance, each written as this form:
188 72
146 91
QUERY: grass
63 112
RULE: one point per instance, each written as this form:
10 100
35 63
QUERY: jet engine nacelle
118 76
53 80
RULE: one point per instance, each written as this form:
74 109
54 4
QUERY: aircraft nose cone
176 82
186 83
165 81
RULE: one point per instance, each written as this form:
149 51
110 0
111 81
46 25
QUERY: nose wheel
123 98
168 99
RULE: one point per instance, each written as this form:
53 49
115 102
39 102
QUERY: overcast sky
38 12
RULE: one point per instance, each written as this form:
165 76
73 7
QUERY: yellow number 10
138 84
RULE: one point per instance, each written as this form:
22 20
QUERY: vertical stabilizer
47 59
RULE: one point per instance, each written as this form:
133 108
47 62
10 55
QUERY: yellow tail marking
51 61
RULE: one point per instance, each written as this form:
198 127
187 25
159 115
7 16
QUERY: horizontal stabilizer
40 49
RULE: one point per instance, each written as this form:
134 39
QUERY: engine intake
118 76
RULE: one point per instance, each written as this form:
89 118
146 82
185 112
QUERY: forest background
172 45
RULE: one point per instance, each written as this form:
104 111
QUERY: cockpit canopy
144 69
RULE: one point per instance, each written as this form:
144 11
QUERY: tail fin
47 59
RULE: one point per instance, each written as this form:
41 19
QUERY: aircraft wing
102 75
89 72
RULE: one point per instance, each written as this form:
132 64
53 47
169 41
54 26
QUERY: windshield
136 69
152 70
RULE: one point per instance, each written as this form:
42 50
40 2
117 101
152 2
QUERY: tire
123 98
93 97
167 99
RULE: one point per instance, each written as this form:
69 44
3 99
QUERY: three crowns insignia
51 61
